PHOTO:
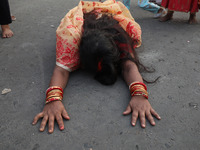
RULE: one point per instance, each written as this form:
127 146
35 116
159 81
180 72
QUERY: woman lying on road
98 37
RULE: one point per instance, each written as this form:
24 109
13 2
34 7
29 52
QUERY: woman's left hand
140 107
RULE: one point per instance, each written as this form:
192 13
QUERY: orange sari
69 31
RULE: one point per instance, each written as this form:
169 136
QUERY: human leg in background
127 3
168 16
194 8
146 5
192 19
5 19
181 6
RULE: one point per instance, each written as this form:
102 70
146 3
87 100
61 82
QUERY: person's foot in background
167 17
192 19
161 12
6 31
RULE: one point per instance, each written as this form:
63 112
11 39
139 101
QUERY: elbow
61 71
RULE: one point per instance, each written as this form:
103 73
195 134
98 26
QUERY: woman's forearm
60 77
139 106
131 72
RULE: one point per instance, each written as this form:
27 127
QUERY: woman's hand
140 107
52 111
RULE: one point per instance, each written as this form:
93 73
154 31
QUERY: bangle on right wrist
138 88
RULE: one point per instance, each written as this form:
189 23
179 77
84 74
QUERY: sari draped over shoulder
69 32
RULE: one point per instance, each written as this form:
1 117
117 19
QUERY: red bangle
140 83
138 88
54 94
133 89
52 99
53 88
140 94
51 96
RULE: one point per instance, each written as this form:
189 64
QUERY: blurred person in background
152 7
148 5
181 6
5 19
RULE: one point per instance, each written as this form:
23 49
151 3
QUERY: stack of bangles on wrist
54 93
138 88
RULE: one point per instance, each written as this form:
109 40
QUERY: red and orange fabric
181 5
70 29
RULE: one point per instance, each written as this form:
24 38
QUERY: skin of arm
54 110
138 105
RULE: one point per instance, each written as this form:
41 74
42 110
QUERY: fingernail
143 125
62 128
133 123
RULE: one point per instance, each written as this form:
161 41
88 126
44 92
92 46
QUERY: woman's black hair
99 48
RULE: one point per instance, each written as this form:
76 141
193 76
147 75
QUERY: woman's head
99 54
98 50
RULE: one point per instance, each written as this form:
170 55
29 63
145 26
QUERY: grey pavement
27 61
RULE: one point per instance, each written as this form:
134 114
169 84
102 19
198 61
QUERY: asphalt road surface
27 61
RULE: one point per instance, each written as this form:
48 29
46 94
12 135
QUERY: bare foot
161 12
192 19
167 17
6 31
13 18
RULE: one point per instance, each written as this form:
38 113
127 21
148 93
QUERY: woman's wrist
138 89
54 93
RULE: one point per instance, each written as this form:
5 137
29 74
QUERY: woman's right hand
51 112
